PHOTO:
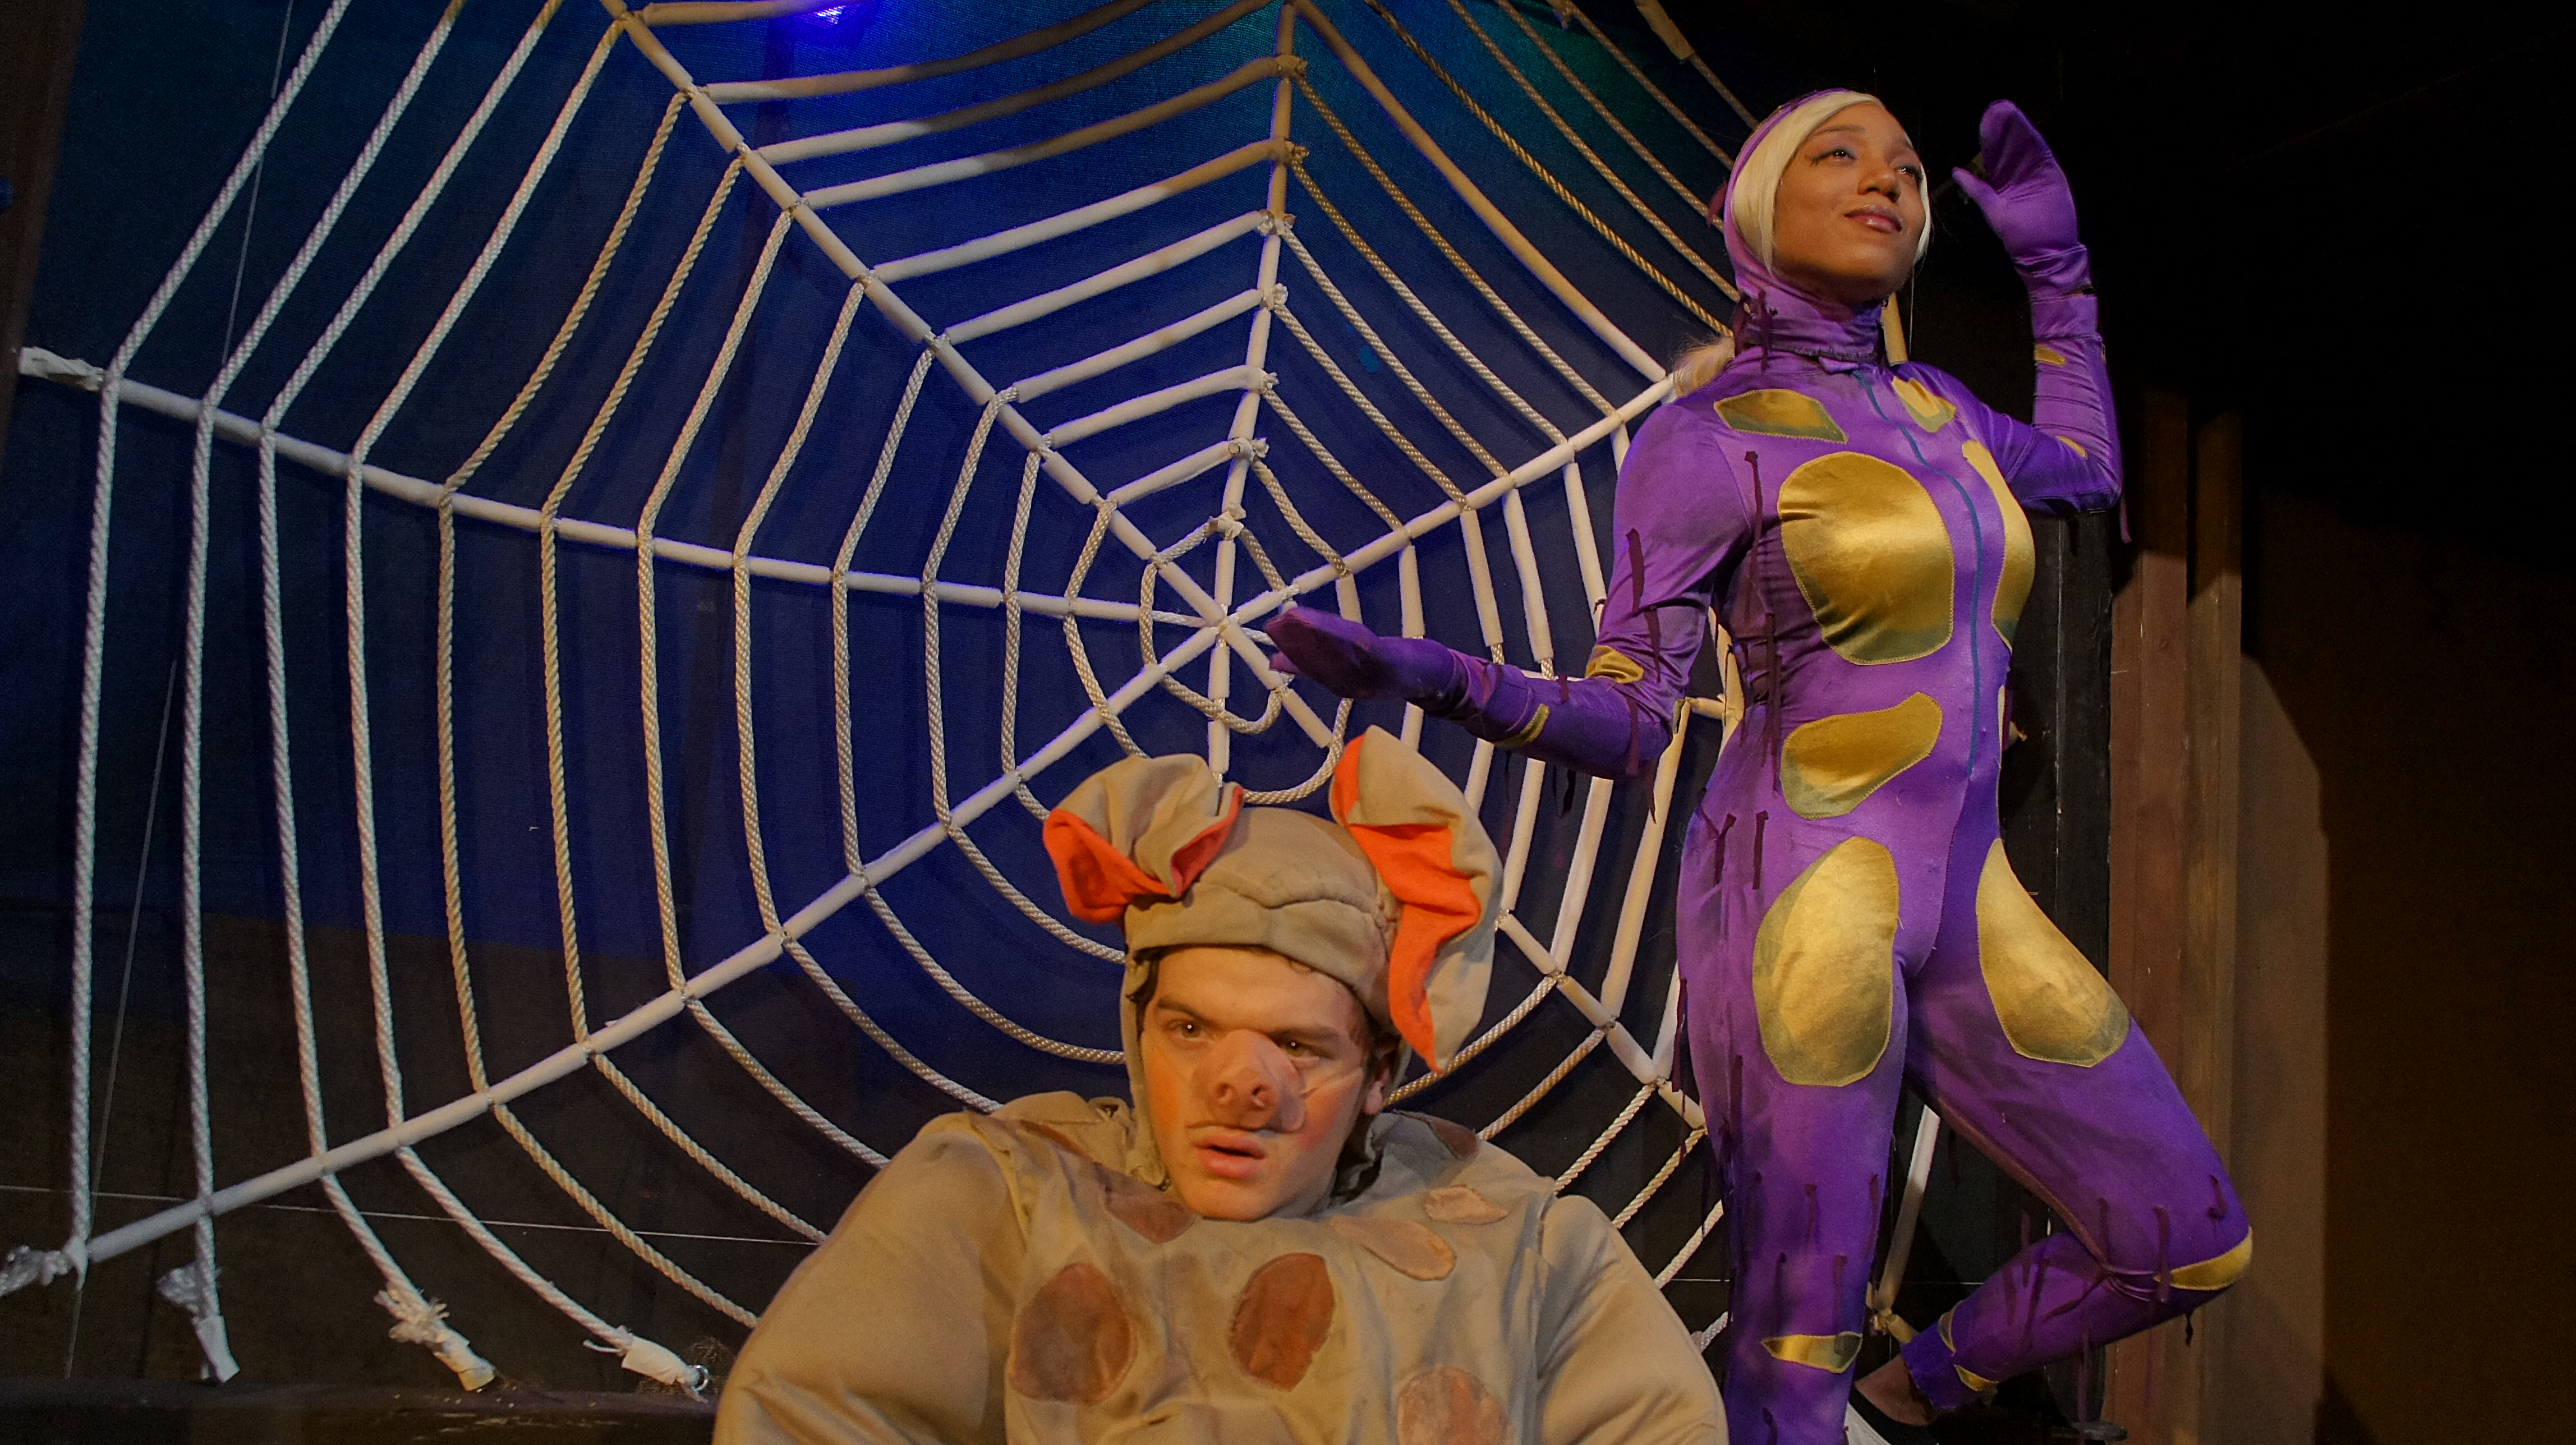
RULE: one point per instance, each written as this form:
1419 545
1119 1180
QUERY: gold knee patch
2053 1006
1824 966
2212 1275
1967 1377
1831 1353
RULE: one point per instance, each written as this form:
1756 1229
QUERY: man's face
1255 1072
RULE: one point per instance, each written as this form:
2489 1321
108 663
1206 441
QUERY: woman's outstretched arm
1682 522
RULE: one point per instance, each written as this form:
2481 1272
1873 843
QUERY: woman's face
1849 215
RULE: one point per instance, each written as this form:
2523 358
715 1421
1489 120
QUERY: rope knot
1274 297
26 1266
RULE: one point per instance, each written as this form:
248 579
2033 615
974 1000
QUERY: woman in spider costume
1848 922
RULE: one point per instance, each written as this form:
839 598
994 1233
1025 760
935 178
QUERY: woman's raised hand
2025 196
1354 662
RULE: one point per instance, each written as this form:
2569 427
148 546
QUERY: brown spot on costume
1072 1340
1447 1406
1281 1321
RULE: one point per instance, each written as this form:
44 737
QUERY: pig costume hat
1395 897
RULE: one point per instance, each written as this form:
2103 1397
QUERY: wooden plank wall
2176 785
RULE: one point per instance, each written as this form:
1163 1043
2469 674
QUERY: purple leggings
2109 1146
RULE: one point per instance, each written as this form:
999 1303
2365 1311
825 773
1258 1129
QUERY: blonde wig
1751 194
1754 190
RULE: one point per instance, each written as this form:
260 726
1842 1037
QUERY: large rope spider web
1340 367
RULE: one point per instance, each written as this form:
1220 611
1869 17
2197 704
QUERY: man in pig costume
1255 1251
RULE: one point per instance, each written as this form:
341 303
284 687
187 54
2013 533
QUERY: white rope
1568 7
1029 43
1522 249
1441 243
1653 1186
1215 620
1696 202
75 1253
1636 1105
870 137
940 173
1582 148
194 1287
1690 1246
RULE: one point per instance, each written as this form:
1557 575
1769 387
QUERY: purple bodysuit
1847 920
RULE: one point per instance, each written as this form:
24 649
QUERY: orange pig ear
1435 858
1139 830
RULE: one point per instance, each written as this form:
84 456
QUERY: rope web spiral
964 567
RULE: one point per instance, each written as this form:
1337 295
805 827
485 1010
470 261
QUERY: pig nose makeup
1250 1083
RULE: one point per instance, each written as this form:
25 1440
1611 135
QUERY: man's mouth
1230 1153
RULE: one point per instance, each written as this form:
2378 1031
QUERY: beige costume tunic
1005 1279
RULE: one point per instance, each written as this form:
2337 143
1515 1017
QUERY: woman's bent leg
2028 1054
1797 1033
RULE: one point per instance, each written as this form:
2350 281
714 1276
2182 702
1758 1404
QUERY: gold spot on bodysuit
2076 447
1282 1319
1145 1209
2211 1275
1824 966
1829 766
1072 1340
2020 556
1610 662
1922 403
1779 413
2052 1004
1445 1405
1460 1204
1871 557
1830 1353
1414 1249
2047 355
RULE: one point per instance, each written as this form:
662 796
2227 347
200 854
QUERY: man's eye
1296 1048
1185 1028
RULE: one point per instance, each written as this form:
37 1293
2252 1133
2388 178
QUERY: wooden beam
2150 699
2214 721
38 41
2177 798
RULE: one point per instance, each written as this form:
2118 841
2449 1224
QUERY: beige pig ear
1139 830
1432 854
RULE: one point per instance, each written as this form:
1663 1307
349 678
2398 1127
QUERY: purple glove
2027 202
1350 660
